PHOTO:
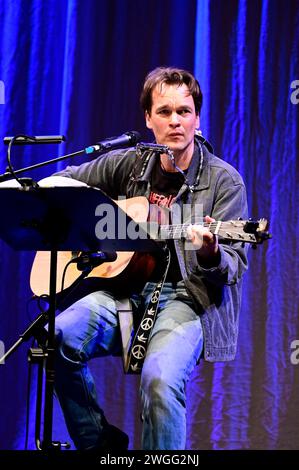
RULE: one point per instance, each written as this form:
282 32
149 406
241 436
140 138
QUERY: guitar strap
137 351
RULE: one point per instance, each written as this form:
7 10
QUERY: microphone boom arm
127 139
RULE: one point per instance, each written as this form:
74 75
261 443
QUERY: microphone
129 139
35 139
88 261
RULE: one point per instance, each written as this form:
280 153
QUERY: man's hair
169 76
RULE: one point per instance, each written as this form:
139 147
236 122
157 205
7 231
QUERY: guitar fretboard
233 230
178 231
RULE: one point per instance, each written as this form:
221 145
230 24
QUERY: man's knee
159 385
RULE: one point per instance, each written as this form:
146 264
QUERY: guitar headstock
246 231
259 229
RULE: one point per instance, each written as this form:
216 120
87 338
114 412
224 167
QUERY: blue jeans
89 328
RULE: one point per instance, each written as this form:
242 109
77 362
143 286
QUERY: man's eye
163 111
184 111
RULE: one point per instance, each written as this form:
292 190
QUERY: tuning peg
267 236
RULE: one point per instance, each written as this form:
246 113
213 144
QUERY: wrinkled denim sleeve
230 204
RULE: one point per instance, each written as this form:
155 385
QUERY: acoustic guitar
131 270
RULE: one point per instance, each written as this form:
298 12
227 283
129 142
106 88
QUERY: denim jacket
220 192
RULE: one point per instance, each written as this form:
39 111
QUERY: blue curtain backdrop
76 68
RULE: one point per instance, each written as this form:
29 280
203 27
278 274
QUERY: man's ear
148 120
197 122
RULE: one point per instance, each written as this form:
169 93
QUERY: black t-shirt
164 187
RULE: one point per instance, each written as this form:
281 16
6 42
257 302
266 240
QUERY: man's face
173 119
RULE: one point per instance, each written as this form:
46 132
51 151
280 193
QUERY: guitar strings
210 225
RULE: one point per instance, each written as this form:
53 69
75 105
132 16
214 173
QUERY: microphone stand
46 354
128 139
42 356
7 175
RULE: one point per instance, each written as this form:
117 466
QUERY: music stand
64 219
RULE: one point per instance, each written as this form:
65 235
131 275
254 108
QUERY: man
199 304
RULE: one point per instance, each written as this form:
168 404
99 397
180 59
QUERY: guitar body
130 271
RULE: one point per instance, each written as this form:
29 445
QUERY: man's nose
174 119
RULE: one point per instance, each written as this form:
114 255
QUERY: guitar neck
179 231
234 230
